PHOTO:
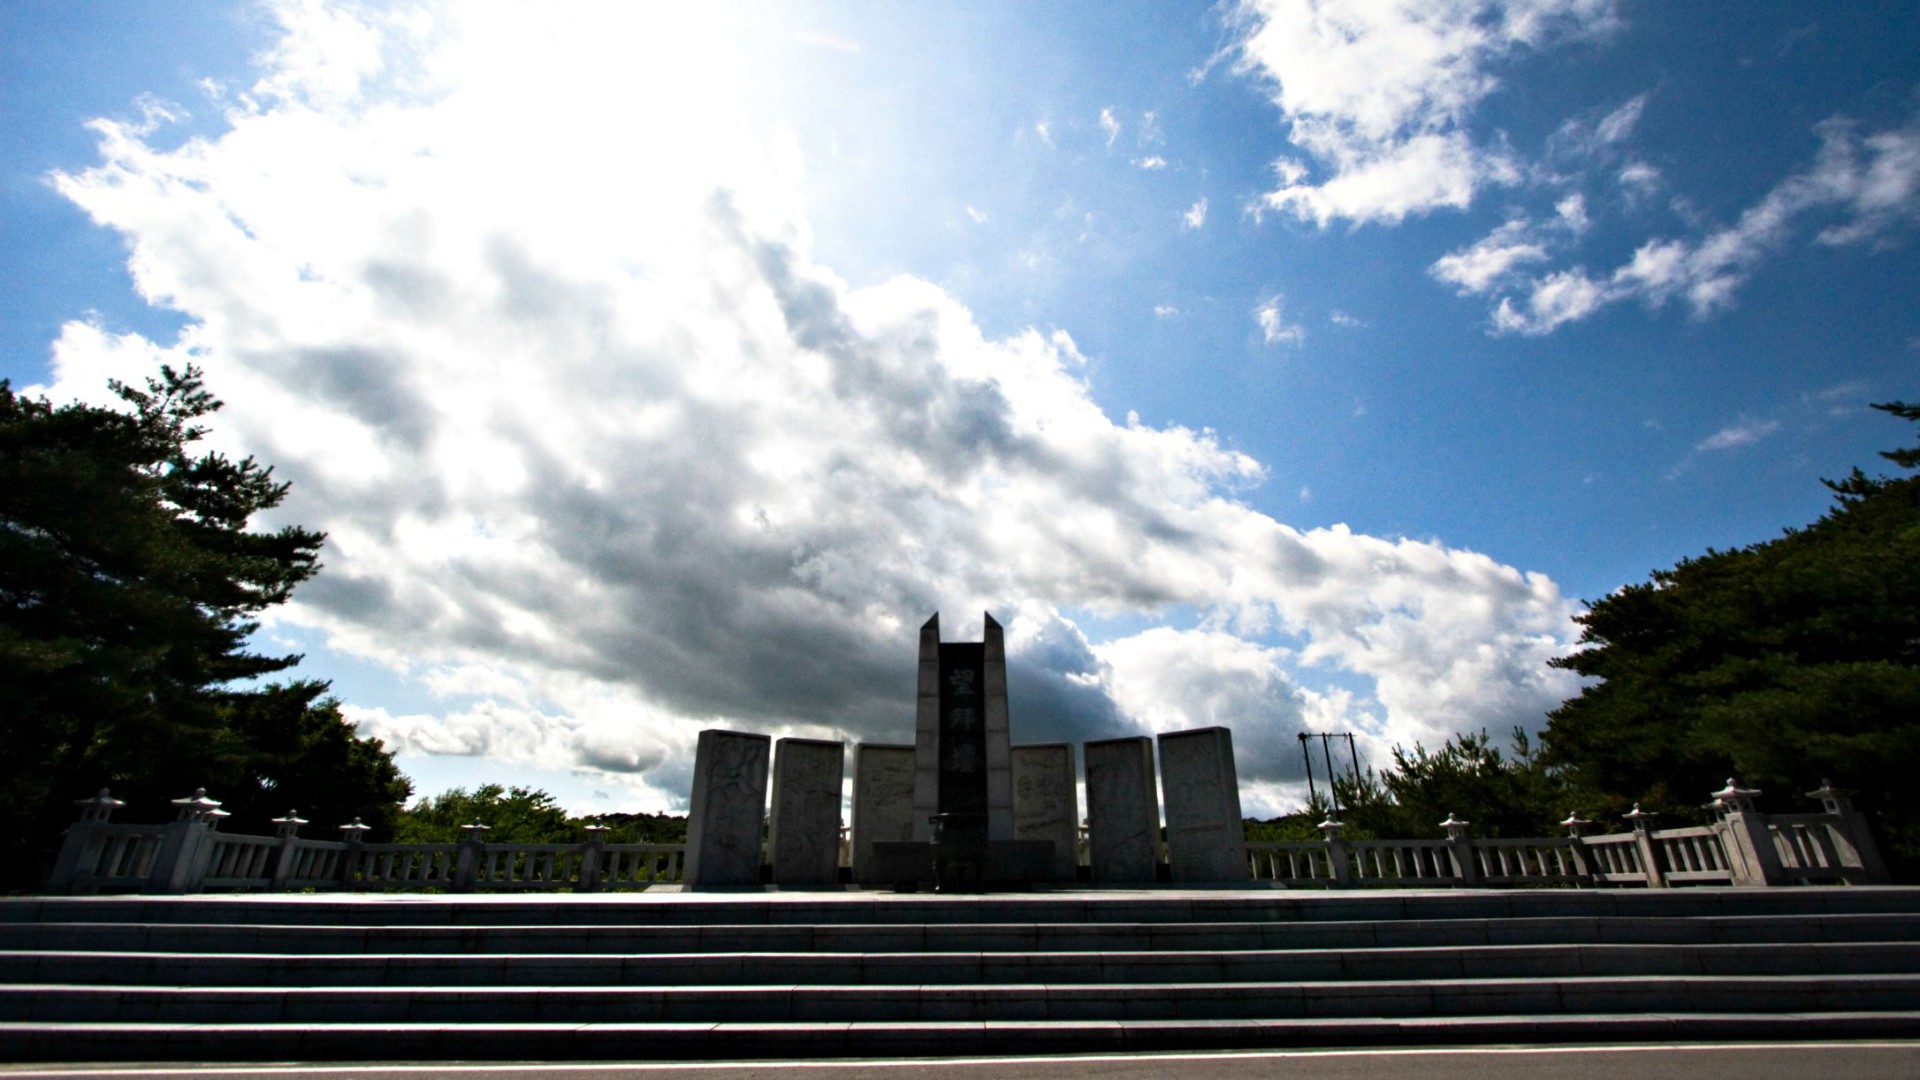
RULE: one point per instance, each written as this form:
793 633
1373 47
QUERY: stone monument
1045 804
1206 837
882 804
804 831
726 810
1123 812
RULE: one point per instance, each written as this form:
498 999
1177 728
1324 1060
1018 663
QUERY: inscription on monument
963 729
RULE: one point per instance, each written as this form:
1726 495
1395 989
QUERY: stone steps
787 1003
862 974
953 937
546 1042
828 908
953 969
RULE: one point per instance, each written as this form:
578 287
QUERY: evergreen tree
1784 663
129 582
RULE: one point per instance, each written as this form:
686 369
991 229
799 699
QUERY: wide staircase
652 976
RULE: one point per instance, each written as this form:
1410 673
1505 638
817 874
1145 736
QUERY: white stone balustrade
190 855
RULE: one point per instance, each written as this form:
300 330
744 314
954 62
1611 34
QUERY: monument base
1004 864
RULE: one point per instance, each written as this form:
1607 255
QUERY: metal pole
1313 796
1355 756
1328 753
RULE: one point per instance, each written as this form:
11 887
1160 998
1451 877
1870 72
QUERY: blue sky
1290 365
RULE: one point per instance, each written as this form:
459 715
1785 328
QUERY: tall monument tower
963 761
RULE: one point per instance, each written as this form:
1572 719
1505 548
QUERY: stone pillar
287 829
805 830
1642 823
1206 838
999 736
181 862
1850 835
1338 862
593 856
352 836
1465 869
1745 836
1123 815
1045 805
926 732
883 811
727 809
75 861
963 762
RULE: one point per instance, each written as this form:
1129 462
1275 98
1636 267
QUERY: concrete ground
1894 1060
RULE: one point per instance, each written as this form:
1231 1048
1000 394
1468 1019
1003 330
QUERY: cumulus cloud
1196 215
1379 95
1270 316
1151 163
605 455
1866 186
1109 126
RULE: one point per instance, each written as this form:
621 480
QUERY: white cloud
1490 261
1379 93
1109 126
1045 131
1151 163
1742 432
1274 328
1572 212
978 216
1341 318
1196 215
605 456
1870 183
1165 311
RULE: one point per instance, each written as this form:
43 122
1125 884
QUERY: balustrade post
1850 835
79 846
352 836
1650 861
187 845
1745 837
472 847
288 830
1576 827
596 848
1466 870
1337 853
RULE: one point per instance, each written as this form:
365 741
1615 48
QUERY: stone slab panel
1123 813
727 809
926 732
1045 804
999 735
804 838
883 779
1206 838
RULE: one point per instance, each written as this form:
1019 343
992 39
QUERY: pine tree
129 583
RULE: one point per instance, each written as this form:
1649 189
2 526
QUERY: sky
1291 365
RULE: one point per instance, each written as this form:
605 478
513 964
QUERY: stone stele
1045 805
1206 838
962 752
1123 814
882 803
727 809
804 836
